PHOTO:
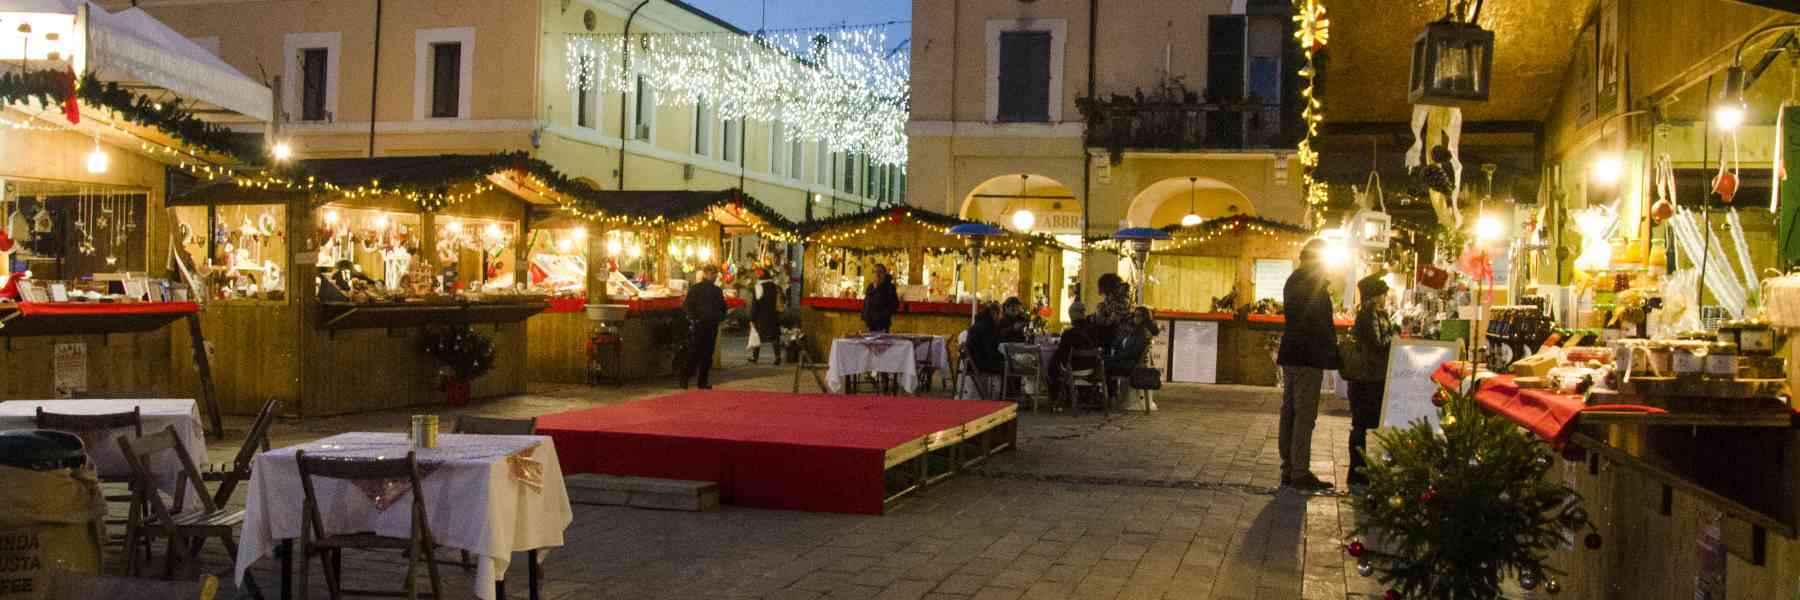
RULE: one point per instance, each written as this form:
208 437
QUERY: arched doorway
1053 210
1166 202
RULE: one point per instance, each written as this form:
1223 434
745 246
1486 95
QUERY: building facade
1093 115
477 77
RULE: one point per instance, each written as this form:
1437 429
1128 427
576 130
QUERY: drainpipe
625 65
374 78
1087 166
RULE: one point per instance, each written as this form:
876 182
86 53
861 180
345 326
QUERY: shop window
476 253
247 258
379 245
1269 276
1024 76
559 261
1188 283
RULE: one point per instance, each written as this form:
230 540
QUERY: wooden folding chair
418 546
1023 362
160 520
966 370
68 585
1088 379
90 428
806 364
229 475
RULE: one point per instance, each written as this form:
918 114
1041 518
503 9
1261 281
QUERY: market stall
86 305
930 267
637 251
332 282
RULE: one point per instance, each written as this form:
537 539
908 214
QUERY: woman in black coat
765 316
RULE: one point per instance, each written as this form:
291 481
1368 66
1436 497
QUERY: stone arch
1165 202
1055 206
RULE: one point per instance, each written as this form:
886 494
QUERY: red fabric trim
31 309
1546 413
567 305
833 303
1339 323
668 304
935 308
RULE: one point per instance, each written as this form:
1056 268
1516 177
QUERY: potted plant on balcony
464 355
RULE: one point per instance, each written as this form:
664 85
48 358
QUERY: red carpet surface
814 452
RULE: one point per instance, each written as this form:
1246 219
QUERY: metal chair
965 367
229 475
418 546
494 426
1087 379
67 585
179 527
89 428
1022 362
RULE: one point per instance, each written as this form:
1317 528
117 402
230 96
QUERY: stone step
643 492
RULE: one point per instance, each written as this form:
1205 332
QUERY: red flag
71 105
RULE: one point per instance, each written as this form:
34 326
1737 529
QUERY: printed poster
69 364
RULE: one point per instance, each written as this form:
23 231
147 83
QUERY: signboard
1159 347
1195 354
69 365
1409 383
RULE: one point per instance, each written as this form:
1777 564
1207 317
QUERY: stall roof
1198 236
905 227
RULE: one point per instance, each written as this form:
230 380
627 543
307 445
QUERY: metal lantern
1451 63
1137 240
976 235
1371 230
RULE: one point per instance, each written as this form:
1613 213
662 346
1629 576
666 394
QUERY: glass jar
1722 361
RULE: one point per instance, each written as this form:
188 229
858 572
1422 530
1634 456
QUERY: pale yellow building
483 76
1198 106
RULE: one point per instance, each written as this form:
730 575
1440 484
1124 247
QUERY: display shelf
393 315
76 318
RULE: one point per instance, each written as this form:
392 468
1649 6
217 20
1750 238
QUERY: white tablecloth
473 501
929 350
108 460
883 354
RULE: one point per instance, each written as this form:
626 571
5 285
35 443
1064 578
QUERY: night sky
823 14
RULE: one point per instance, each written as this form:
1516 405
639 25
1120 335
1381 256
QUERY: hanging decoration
1312 31
58 88
844 88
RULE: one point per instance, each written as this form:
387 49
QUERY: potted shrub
464 355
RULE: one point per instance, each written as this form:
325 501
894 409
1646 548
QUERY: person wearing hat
705 309
1365 367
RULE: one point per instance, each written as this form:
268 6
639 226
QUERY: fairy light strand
1312 31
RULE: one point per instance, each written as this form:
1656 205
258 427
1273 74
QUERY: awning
134 50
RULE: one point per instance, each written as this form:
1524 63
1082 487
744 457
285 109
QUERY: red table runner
1546 413
833 303
31 309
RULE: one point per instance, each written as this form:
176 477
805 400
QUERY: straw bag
1781 297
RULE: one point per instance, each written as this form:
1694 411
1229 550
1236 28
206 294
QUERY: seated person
983 342
1014 322
1132 344
1079 336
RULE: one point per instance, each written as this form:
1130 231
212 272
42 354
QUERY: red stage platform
818 452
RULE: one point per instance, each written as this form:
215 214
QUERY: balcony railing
1124 123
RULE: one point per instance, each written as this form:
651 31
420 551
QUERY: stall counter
558 352
825 319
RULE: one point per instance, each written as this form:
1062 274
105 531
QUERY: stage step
643 492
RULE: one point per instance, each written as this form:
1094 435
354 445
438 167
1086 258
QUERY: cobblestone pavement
1181 503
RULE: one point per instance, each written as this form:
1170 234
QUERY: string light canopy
843 87
1312 30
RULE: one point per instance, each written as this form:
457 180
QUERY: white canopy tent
133 49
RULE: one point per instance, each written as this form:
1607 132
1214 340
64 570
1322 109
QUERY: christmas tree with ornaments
1456 513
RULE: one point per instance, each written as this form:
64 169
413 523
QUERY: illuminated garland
1182 238
52 88
844 89
839 230
1313 30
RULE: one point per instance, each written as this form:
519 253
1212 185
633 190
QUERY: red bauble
1661 211
1430 492
1390 595
1355 548
1440 397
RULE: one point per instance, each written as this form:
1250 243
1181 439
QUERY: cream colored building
484 76
997 125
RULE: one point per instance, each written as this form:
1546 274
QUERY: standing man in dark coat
880 301
1308 349
705 309
765 316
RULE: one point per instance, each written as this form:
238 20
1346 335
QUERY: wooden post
915 265
214 427
597 267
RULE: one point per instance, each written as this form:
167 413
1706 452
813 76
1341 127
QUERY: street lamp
1136 241
976 235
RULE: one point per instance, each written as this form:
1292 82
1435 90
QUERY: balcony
1183 124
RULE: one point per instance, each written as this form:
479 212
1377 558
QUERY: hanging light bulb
1023 220
331 217
612 247
580 234
381 223
705 253
565 246
454 228
1607 169
96 160
282 151
634 251
1193 216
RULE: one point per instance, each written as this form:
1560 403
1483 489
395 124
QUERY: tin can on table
424 432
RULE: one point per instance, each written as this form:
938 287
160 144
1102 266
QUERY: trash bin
52 512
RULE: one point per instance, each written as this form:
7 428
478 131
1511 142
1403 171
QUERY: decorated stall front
630 255
931 269
348 285
1217 288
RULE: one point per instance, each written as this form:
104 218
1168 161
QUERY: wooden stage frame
932 458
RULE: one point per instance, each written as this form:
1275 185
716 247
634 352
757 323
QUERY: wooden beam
1777 5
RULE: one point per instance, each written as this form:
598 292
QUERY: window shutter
446 67
312 85
1024 76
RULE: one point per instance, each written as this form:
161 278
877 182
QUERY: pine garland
1459 512
50 88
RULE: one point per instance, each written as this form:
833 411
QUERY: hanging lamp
1193 217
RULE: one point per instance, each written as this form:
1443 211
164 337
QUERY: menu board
1195 352
1409 384
1159 347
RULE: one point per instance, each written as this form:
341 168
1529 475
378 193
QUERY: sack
1351 354
1146 378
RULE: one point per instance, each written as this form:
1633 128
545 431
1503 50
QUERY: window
1024 76
643 110
733 130
703 120
312 84
778 148
443 73
849 180
446 72
1270 276
584 112
822 164
796 158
